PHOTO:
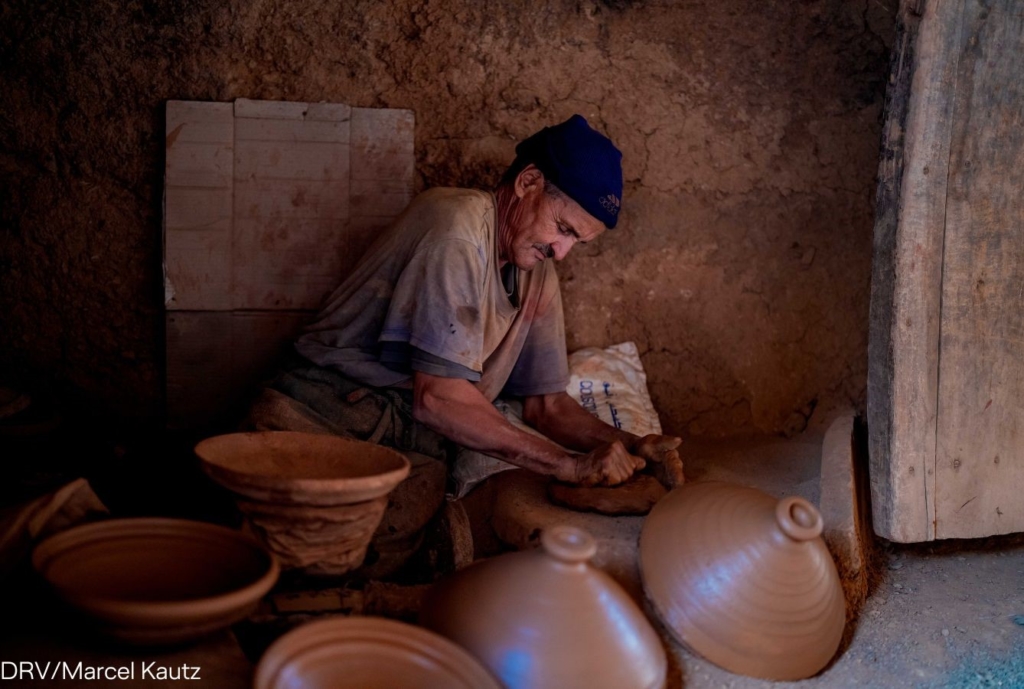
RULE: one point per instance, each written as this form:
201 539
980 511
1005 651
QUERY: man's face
543 226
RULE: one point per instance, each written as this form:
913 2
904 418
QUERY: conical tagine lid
744 579
544 619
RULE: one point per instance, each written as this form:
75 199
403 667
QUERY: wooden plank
199 165
197 268
198 205
198 122
199 376
262 234
287 130
288 110
294 160
216 360
907 275
288 263
291 203
270 198
980 468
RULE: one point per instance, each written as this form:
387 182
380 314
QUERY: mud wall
750 131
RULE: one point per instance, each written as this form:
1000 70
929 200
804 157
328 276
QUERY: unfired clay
287 467
635 496
313 500
157 581
368 653
545 618
744 579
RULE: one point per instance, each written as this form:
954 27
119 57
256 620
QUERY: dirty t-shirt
432 284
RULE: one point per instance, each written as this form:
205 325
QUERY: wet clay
545 619
369 653
151 581
635 496
313 500
744 579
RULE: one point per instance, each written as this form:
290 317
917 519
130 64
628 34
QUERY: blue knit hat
581 162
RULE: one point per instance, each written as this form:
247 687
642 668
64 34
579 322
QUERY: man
457 303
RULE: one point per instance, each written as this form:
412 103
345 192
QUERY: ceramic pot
313 500
157 581
546 618
369 653
744 579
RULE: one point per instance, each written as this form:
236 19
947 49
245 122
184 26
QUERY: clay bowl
744 579
313 500
287 467
369 653
157 581
545 618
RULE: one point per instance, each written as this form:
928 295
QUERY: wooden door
946 355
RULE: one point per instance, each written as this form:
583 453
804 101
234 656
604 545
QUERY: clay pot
369 653
313 500
157 581
744 579
545 618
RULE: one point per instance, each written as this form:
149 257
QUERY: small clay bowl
369 653
287 467
151 581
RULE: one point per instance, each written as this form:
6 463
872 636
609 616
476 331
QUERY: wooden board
980 456
903 353
291 214
946 353
268 205
215 359
198 199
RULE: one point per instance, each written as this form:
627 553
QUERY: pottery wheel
636 496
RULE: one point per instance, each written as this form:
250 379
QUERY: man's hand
606 465
663 451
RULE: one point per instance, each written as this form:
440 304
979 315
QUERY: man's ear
529 179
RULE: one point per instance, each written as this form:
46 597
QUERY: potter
457 304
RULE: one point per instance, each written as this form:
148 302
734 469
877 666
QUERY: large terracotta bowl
287 467
157 581
313 500
546 619
744 579
369 653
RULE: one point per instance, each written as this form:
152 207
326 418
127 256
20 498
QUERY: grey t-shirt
430 293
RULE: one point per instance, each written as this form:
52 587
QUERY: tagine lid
744 579
567 622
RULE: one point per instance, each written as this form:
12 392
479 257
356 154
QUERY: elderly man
456 304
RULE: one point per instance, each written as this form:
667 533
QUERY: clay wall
750 131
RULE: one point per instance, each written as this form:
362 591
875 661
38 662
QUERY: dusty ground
947 615
750 133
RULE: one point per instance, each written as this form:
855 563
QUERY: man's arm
455 408
559 417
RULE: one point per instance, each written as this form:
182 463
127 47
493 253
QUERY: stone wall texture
750 133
